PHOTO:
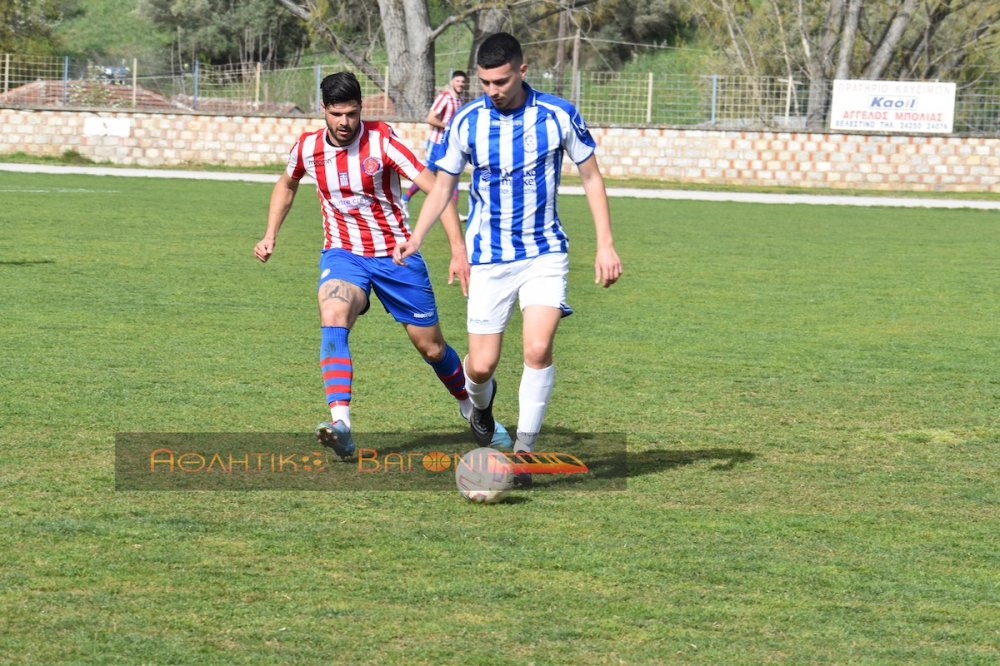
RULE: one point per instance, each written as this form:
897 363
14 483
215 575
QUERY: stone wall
802 159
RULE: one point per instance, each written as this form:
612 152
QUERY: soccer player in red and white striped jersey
358 186
447 102
357 167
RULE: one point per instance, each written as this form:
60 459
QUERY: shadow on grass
606 456
564 460
26 262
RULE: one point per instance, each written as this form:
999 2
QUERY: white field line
613 192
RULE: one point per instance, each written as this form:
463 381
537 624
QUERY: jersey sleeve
449 155
296 167
400 157
577 140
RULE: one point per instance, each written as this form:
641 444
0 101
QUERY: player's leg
405 292
444 360
537 379
480 365
404 201
543 305
342 296
492 294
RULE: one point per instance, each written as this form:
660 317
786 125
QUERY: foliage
105 30
620 27
819 41
27 26
941 40
227 32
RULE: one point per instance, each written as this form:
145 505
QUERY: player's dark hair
498 50
339 88
459 72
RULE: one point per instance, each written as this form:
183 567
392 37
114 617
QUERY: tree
623 25
826 39
227 32
484 23
26 26
408 33
84 33
408 36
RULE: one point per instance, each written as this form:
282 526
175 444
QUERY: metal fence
604 98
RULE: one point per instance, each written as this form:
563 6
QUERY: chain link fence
604 98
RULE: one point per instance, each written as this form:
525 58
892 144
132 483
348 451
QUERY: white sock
525 442
341 413
465 408
479 394
533 397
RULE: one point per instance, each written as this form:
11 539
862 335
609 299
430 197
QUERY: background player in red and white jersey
357 167
447 102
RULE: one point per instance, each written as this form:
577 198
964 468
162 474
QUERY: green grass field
810 396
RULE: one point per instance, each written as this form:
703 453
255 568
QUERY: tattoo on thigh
336 290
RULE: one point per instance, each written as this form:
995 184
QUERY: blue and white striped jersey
516 159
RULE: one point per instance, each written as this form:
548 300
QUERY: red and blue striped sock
335 362
449 371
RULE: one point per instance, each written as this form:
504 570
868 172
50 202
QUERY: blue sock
335 362
449 371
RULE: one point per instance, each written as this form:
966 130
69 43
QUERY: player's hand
403 250
264 249
607 267
459 267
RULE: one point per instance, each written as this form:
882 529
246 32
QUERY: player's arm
434 120
607 265
438 197
282 197
436 112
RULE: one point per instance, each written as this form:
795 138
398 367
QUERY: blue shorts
434 151
405 291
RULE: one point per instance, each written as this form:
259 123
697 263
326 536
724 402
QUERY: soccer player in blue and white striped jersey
515 138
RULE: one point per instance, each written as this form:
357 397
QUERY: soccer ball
484 475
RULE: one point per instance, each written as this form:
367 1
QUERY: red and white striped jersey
444 107
358 187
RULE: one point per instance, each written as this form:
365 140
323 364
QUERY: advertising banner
893 106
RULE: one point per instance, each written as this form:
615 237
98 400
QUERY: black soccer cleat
482 423
523 480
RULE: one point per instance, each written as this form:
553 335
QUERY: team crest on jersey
371 165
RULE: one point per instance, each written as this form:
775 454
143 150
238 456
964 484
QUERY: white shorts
493 289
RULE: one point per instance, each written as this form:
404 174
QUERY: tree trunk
819 63
893 34
487 22
561 52
847 39
305 13
406 25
